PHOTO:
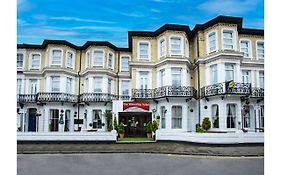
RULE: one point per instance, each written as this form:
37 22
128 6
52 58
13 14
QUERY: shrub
206 124
149 127
121 128
108 116
200 129
154 126
115 124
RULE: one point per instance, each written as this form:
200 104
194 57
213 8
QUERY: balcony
124 97
172 91
233 88
257 92
165 91
97 97
56 97
26 98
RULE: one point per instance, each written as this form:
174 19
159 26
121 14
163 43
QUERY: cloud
227 6
130 14
24 5
103 28
155 10
21 22
68 18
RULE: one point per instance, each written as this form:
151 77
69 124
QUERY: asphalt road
136 164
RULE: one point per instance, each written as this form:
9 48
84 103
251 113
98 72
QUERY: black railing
165 91
173 91
26 98
56 97
257 92
124 97
97 97
226 88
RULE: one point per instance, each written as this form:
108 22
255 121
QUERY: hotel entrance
135 123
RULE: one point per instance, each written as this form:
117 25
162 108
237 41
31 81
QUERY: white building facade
174 75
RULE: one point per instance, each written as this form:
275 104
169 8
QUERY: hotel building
175 75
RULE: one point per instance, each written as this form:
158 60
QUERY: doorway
135 123
32 119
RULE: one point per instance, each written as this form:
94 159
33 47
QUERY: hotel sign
136 106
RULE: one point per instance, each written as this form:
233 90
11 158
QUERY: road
136 164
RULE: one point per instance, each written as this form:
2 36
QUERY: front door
32 120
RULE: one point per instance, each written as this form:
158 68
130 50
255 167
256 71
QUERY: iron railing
97 97
26 98
56 97
257 92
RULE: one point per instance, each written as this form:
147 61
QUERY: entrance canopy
135 106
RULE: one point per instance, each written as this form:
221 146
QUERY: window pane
125 87
69 59
96 118
19 83
19 60
54 120
176 77
56 59
35 61
212 41
214 75
260 49
176 46
143 50
228 39
69 85
98 57
231 115
55 84
176 117
125 63
97 84
110 60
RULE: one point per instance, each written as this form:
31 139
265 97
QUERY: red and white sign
136 106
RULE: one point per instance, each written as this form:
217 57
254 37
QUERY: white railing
211 138
67 136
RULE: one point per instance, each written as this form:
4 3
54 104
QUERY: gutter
198 82
79 80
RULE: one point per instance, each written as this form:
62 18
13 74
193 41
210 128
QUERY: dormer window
56 57
143 50
228 42
176 46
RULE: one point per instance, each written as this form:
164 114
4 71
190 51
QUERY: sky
78 21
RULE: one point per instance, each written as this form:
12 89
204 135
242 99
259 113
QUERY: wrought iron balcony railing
56 97
26 98
97 97
257 92
172 91
142 93
226 88
124 97
165 91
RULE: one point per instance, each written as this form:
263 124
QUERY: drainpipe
79 80
198 82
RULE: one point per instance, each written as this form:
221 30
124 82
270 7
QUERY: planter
121 135
149 134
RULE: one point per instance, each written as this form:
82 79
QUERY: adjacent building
175 75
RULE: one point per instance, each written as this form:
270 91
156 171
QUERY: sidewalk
157 147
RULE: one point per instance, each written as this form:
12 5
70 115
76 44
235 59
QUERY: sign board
135 106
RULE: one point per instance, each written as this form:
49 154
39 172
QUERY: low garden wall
67 136
211 138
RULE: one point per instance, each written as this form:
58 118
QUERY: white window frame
94 84
112 61
30 84
208 42
173 73
86 85
71 85
259 41
102 63
259 77
177 117
58 83
234 38
162 77
73 59
19 68
181 45
51 57
229 69
249 47
211 73
87 60
249 75
121 68
19 86
144 74
160 55
31 62
148 50
122 87
110 86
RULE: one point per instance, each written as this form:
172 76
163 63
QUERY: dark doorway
135 123
32 119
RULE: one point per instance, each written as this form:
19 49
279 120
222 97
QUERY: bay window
231 115
176 45
55 83
214 74
56 57
228 41
97 84
229 72
212 42
69 85
176 77
98 58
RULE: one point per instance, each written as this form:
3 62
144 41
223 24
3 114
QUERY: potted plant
149 130
121 130
206 124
